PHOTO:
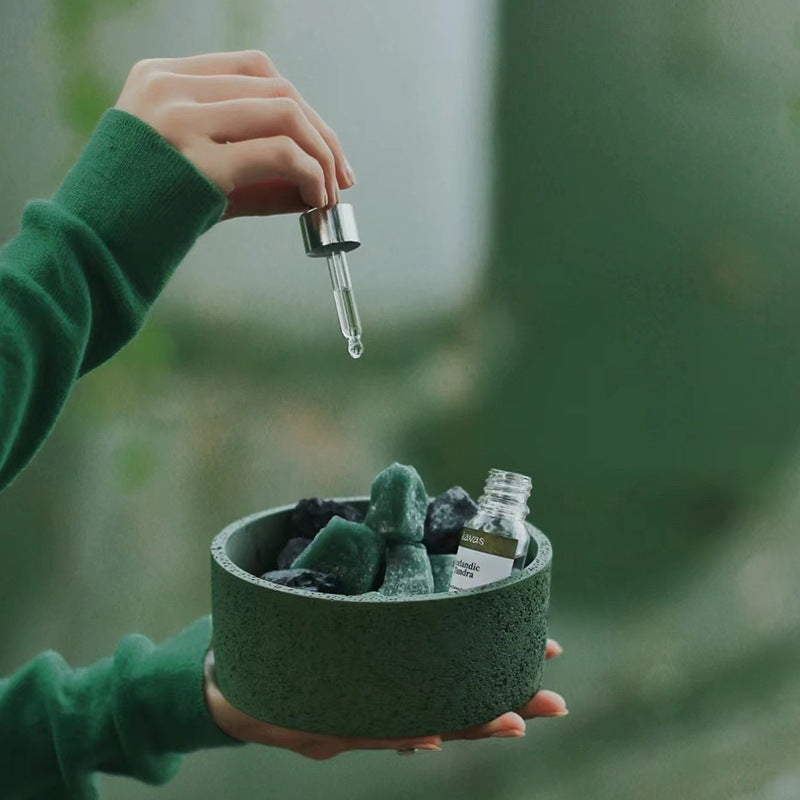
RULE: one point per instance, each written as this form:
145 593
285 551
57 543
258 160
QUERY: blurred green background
580 262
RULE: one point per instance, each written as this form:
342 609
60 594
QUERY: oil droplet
354 347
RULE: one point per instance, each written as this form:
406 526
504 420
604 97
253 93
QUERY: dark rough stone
445 518
398 503
312 514
291 550
306 579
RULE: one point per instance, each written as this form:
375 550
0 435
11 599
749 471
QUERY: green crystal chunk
398 504
442 569
408 570
349 552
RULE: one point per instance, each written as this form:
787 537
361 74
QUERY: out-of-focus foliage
85 90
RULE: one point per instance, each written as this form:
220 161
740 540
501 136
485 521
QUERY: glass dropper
346 307
331 232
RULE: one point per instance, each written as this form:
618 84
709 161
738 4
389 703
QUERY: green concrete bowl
369 665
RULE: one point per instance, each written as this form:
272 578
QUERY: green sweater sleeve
78 279
75 285
133 714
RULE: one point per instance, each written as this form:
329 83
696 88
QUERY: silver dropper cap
330 233
328 230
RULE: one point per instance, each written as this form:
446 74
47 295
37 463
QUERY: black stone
312 514
290 551
307 579
446 516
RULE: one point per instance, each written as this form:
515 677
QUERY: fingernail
350 174
557 647
555 698
558 713
427 746
511 734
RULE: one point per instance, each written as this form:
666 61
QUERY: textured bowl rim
543 557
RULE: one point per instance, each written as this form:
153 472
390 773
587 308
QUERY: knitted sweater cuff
162 687
166 203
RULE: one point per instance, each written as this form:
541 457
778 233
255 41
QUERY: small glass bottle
495 541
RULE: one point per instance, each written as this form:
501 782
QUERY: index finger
256 64
242 62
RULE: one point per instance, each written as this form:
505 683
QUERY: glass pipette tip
346 308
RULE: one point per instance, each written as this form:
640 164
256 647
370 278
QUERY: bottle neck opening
506 493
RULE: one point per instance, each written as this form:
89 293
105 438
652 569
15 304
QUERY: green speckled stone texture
371 666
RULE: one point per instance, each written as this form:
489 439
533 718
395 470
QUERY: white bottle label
482 558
